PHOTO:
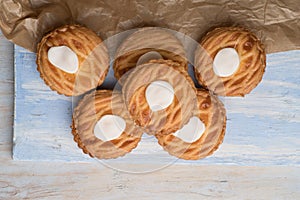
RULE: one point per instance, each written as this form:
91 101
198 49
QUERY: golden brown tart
90 110
72 60
170 118
211 113
218 48
147 40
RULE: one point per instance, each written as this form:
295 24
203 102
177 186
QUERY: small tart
93 60
251 65
89 111
171 118
211 112
148 40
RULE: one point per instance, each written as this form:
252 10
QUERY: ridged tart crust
143 41
171 118
211 112
89 110
252 61
92 56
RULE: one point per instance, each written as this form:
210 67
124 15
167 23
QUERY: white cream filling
192 131
151 55
109 127
63 58
226 62
159 95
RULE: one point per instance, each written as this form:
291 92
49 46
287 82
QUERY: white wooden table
59 180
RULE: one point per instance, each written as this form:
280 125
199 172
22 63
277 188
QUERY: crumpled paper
275 22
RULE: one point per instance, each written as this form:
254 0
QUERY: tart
101 126
204 132
230 61
160 96
146 44
72 60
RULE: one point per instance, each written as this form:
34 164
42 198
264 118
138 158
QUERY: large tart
72 60
204 132
230 61
146 44
102 127
160 96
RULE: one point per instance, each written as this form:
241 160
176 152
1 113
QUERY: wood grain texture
60 180
263 128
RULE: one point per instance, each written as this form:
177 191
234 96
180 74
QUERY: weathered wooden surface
263 128
59 180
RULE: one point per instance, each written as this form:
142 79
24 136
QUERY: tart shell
91 53
171 118
212 113
252 61
146 40
89 110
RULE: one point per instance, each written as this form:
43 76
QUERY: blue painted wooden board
262 129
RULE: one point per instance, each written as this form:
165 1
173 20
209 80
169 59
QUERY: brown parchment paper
275 22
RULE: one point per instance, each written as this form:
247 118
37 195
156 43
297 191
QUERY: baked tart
204 132
160 96
148 44
72 60
102 127
230 61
